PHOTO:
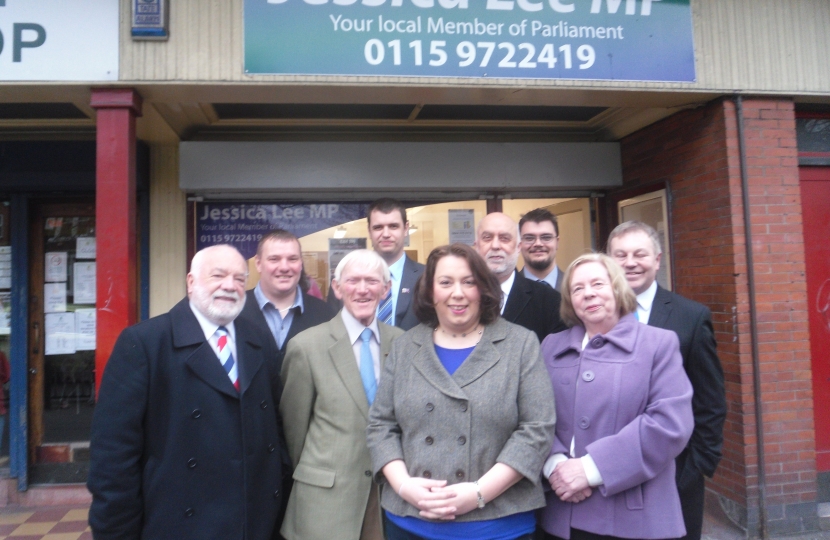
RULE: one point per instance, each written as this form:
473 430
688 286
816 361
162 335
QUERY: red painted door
815 201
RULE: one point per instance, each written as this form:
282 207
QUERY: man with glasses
539 233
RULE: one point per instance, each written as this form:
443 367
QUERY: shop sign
58 40
630 40
242 224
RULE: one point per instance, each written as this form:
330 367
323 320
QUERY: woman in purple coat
623 412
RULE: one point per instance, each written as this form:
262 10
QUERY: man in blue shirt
278 301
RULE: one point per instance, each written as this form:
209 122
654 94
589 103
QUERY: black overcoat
176 451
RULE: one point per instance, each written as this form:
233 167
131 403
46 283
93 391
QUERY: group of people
457 399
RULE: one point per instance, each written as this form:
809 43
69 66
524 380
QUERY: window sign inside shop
242 224
633 40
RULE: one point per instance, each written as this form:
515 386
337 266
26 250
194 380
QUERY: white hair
364 258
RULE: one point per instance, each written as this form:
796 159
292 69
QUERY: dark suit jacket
404 314
535 306
692 322
315 312
176 451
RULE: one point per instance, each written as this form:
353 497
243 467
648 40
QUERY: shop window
326 236
650 208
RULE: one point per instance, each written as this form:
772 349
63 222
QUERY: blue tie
385 309
367 366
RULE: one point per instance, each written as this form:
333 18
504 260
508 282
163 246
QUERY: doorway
61 340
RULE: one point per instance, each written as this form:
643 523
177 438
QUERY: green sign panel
634 40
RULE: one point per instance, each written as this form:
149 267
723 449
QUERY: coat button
428 440
263 404
597 342
277 494
427 474
367 473
271 448
430 407
197 413
462 440
189 512
191 463
588 376
463 407
459 474
584 423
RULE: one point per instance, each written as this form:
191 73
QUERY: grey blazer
497 407
324 410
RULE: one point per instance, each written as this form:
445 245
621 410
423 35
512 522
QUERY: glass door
62 341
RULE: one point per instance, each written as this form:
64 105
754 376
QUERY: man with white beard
186 438
524 302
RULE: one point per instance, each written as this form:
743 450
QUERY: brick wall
696 154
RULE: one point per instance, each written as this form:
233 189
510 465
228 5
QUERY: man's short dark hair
538 216
277 235
488 286
386 205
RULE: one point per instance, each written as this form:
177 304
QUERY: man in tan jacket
330 374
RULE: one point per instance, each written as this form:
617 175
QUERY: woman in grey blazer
463 418
625 412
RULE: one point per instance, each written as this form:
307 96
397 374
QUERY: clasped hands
436 500
569 481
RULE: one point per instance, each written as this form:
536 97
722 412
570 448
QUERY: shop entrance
61 340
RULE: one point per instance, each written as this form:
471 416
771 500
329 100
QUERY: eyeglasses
530 239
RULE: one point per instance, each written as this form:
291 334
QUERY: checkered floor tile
49 523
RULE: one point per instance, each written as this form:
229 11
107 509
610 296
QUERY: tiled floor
45 523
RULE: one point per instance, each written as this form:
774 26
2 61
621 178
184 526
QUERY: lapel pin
404 291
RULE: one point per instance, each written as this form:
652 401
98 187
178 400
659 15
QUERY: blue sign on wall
243 224
633 40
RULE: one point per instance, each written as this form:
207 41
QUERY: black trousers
691 501
576 534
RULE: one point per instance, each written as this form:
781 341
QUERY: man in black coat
636 247
278 304
527 303
186 438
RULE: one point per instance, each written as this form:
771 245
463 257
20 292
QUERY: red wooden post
115 215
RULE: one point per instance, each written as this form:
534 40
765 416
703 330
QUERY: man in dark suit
388 229
526 303
636 247
278 303
539 235
186 436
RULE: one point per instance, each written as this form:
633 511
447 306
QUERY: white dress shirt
505 290
644 302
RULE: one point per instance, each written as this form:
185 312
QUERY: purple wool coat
627 402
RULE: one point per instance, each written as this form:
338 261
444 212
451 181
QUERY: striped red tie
225 356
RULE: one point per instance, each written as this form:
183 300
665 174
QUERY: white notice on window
55 266
85 248
462 226
85 329
54 297
60 333
5 267
84 277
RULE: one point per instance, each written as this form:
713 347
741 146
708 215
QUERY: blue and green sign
630 40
